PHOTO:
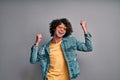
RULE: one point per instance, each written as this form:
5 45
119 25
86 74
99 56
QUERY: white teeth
61 32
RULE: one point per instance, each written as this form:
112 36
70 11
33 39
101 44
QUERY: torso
58 67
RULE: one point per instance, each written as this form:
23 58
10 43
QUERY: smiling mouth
61 32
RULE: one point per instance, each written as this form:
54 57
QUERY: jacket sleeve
34 54
85 46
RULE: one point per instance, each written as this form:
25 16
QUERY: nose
63 28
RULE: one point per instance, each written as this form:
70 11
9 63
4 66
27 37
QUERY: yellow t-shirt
58 67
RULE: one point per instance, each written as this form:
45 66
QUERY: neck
56 40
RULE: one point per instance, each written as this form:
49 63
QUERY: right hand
38 39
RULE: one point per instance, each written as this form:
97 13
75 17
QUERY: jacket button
74 59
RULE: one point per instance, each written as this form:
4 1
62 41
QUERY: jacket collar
48 44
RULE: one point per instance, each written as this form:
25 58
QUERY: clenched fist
38 39
84 26
83 23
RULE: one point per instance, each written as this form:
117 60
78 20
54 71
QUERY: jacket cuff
35 47
88 35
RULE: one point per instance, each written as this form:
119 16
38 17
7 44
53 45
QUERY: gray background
21 20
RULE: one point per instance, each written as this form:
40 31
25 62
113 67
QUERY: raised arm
87 45
34 50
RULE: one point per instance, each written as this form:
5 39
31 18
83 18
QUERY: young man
58 58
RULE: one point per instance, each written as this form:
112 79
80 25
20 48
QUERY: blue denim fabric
69 46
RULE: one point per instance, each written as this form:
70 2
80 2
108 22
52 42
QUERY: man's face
60 30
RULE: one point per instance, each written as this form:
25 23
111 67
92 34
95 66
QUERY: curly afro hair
57 22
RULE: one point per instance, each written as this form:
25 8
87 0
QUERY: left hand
84 26
83 23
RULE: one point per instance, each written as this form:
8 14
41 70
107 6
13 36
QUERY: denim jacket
70 46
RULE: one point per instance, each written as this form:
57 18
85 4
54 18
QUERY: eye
65 29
